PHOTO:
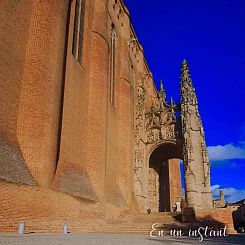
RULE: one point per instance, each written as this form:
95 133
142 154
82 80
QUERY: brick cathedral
84 133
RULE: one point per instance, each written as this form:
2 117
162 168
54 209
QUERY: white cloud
215 187
231 194
227 152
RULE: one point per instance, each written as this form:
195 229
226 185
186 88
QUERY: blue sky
210 34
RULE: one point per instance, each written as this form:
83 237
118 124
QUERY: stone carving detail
205 162
153 135
169 132
140 110
161 122
139 137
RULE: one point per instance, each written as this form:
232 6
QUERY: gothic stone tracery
158 125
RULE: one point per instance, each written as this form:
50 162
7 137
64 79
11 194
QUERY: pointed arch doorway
164 178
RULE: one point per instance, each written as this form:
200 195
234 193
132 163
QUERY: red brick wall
42 81
174 181
26 203
58 129
217 217
71 174
14 34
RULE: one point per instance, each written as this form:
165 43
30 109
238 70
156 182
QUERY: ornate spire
197 167
188 94
162 92
185 73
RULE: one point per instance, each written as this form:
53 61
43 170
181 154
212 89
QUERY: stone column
197 174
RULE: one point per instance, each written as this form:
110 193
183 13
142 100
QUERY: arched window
77 45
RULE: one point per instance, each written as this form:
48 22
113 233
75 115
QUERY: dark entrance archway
165 188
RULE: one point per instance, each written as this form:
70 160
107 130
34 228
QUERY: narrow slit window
75 31
112 66
78 33
132 80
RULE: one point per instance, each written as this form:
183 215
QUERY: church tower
196 162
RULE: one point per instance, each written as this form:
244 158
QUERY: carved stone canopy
161 122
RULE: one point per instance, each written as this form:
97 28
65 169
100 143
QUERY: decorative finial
184 62
161 86
185 73
171 102
162 92
184 65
